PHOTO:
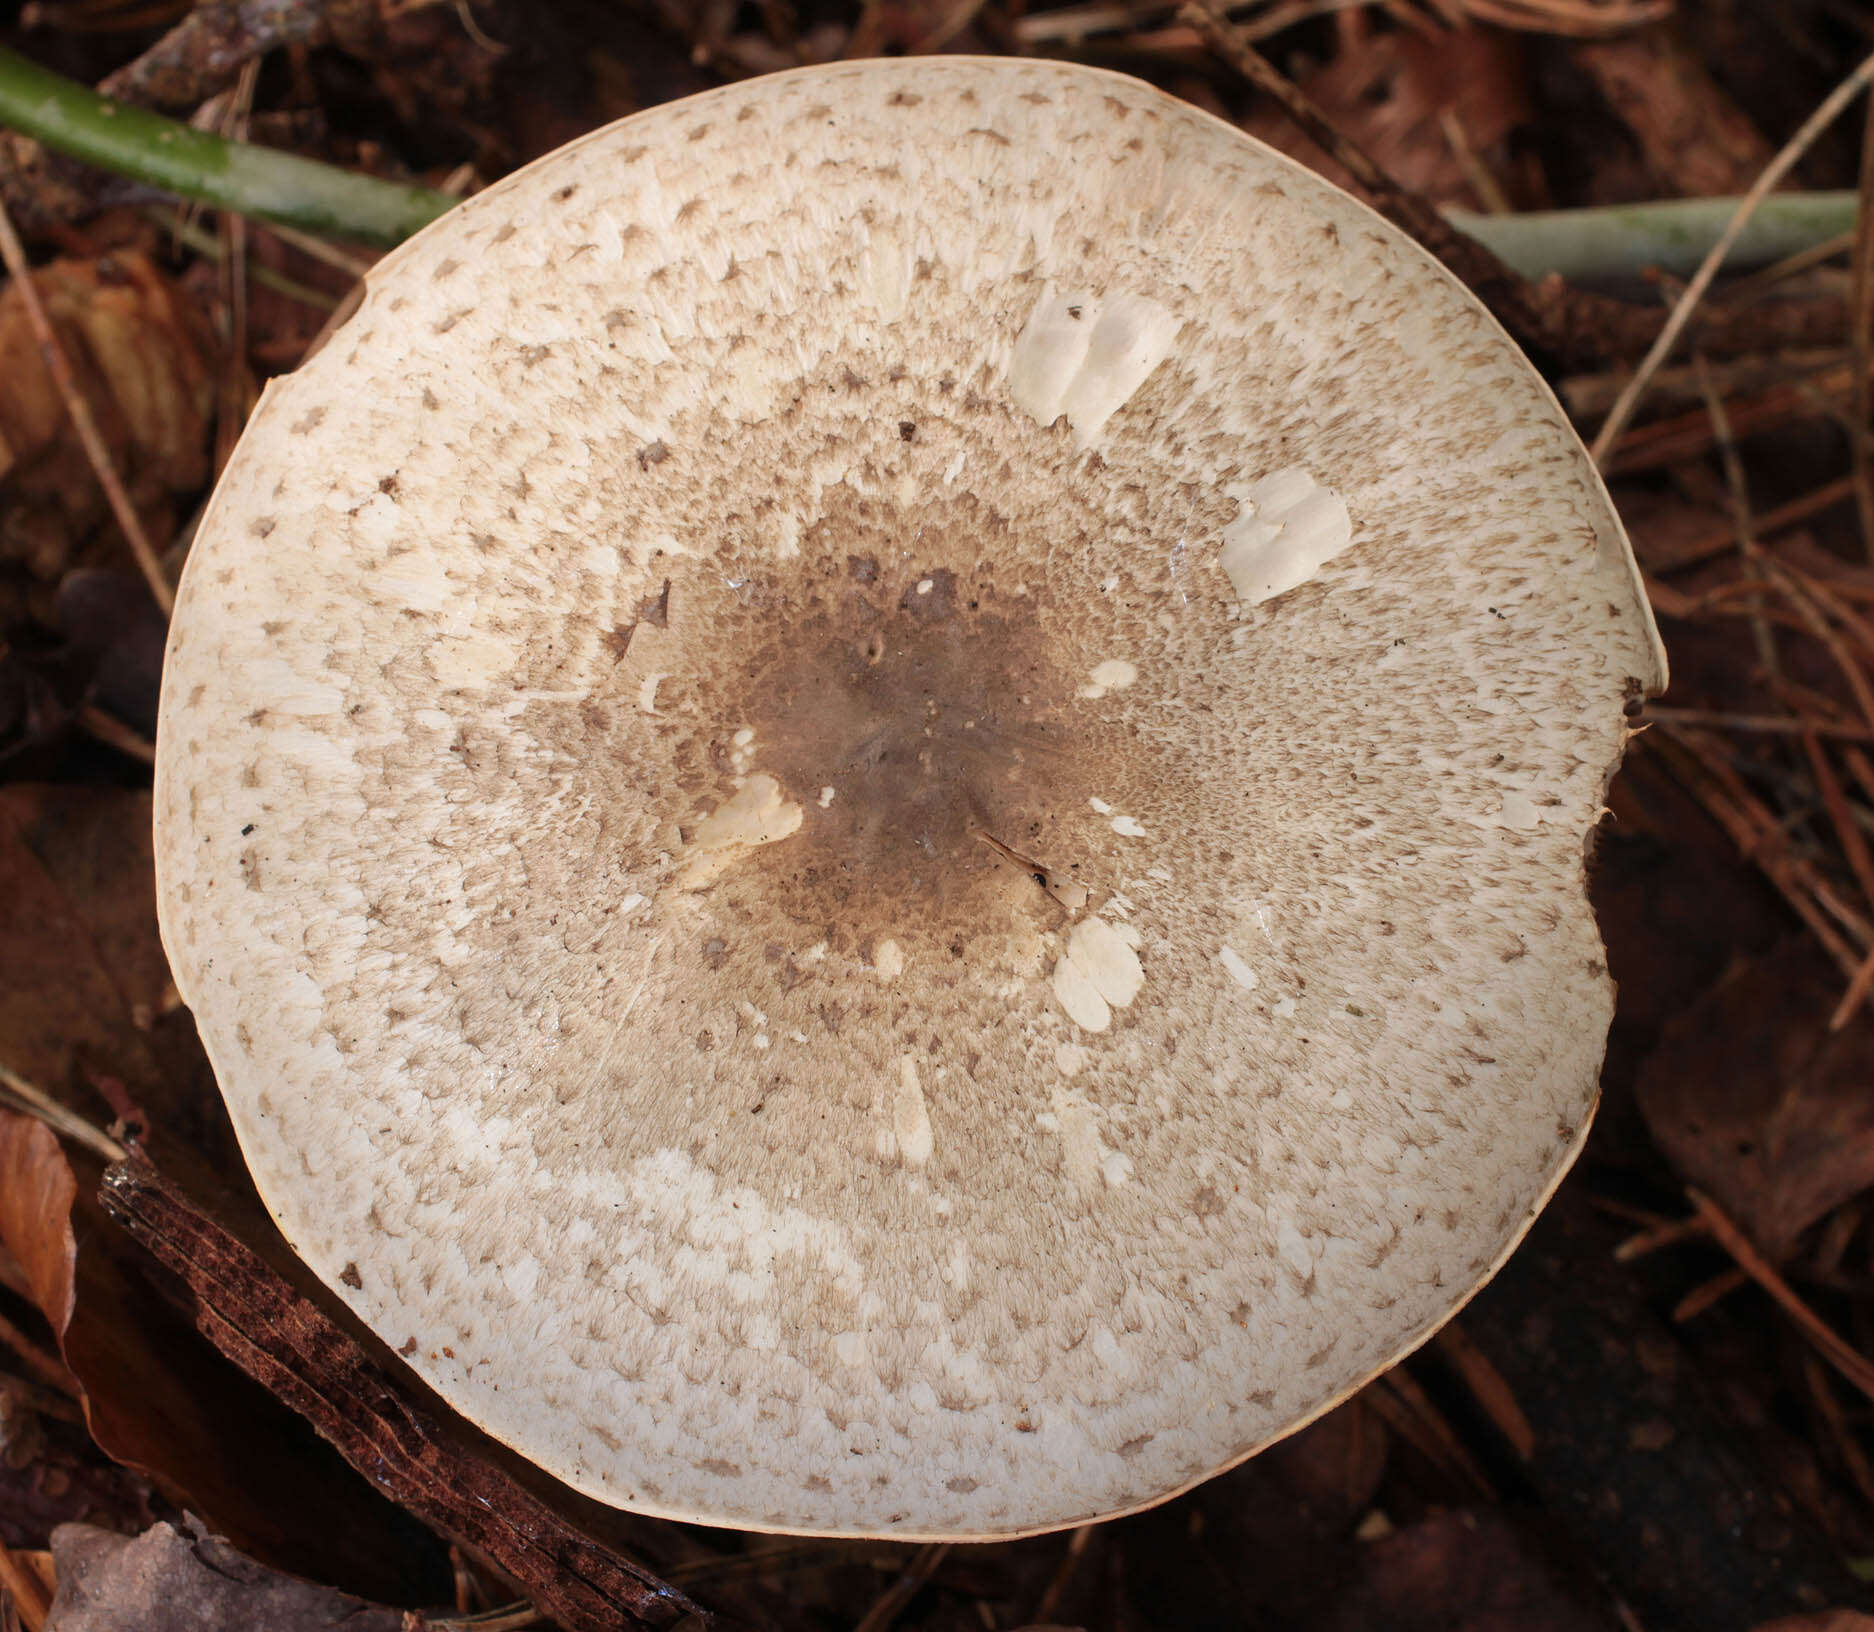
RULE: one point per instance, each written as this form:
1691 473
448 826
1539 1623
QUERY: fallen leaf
158 1398
180 1580
1754 1100
36 1193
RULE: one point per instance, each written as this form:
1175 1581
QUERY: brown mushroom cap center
925 720
908 711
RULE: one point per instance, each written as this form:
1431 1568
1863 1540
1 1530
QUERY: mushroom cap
875 800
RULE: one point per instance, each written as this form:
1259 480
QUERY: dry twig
1489 1387
1803 603
1860 983
1666 1233
1835 1421
1050 1599
1408 1411
1769 524
1581 18
1835 1349
113 733
1708 1294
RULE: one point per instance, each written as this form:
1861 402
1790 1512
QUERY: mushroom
875 802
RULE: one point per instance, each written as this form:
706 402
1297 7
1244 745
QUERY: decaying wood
290 1346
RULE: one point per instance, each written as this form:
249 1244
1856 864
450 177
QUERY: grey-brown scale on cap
875 800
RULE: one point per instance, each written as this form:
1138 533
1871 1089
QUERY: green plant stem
1672 236
262 182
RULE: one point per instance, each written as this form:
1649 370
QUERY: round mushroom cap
875 800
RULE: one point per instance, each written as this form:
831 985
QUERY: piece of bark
288 1344
168 1581
1632 1458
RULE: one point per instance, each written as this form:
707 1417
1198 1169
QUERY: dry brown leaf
1755 1101
36 1193
77 933
141 359
169 1580
25 1592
